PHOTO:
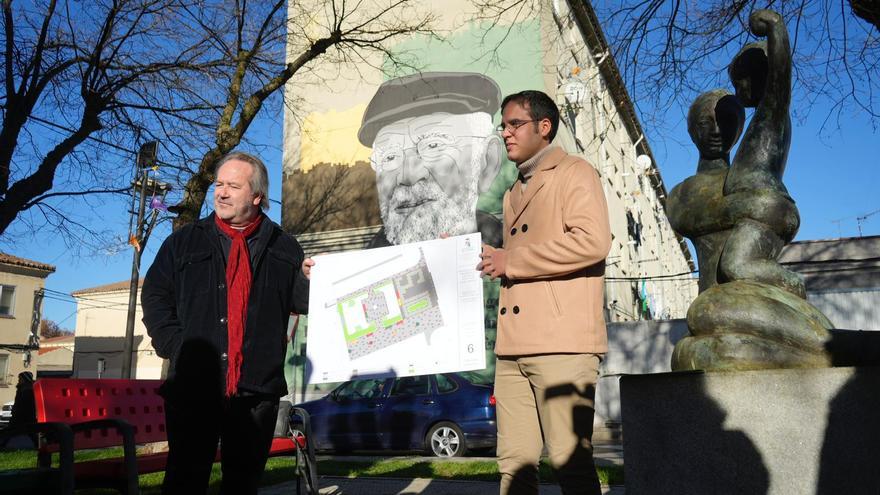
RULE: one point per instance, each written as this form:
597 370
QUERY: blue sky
832 174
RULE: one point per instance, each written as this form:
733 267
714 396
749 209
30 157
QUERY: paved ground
391 486
604 454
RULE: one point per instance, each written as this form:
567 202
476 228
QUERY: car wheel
446 440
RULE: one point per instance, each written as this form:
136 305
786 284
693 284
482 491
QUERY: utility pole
142 183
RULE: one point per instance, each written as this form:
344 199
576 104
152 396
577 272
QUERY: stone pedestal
754 432
634 347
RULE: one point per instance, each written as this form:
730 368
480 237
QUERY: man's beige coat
557 236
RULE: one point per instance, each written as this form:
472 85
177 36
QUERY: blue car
444 414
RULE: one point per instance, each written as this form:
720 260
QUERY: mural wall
322 132
410 149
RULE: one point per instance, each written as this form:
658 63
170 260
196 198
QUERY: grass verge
281 469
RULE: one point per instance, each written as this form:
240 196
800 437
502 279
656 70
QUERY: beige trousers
546 400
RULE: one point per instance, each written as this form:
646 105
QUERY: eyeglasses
513 125
430 149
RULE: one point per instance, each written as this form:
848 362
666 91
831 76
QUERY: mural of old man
434 150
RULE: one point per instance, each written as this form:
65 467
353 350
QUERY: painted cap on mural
428 92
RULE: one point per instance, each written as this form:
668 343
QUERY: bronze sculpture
751 312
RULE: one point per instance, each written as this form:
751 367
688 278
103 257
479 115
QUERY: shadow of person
194 406
577 471
662 457
851 445
198 377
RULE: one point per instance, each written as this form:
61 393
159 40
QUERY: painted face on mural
428 171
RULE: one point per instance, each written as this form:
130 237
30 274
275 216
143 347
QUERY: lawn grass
281 469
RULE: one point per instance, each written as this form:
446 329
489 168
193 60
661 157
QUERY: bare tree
266 45
868 10
50 329
85 83
77 79
670 51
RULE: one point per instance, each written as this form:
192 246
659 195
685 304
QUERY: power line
127 151
52 294
91 138
673 276
150 351
115 146
858 218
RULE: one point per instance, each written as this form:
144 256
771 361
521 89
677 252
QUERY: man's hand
494 262
307 265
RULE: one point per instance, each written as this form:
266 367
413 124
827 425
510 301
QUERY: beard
438 215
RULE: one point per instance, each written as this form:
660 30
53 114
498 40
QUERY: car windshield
476 378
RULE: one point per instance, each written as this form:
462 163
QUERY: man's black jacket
184 306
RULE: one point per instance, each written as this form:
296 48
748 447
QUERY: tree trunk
868 10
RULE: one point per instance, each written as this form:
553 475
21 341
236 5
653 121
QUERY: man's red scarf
238 291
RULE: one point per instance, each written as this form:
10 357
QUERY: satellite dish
575 90
644 162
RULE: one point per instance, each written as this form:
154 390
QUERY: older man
216 302
434 152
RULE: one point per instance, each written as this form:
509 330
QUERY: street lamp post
146 160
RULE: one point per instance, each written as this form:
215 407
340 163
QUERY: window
445 385
7 300
412 385
477 378
361 389
4 369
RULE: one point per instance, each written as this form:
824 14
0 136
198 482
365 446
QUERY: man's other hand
493 262
307 265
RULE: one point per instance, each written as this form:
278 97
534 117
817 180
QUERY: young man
551 331
216 302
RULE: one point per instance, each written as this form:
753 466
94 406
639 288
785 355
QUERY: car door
408 409
353 423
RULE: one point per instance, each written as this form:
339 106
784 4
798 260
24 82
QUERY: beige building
648 271
101 314
55 359
21 304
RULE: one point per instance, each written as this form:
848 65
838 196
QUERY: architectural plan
401 310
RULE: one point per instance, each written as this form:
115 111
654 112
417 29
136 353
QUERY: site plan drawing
401 310
390 310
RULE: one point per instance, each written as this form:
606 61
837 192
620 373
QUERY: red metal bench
109 413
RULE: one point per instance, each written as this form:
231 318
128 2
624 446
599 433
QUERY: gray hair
259 179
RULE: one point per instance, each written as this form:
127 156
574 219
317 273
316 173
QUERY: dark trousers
244 426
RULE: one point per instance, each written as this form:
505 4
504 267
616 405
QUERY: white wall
104 314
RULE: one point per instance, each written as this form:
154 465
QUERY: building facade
101 316
55 359
21 305
842 277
